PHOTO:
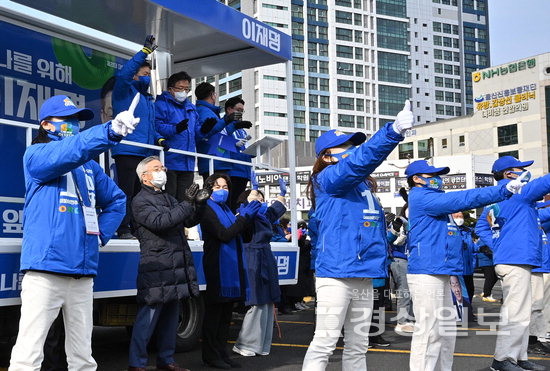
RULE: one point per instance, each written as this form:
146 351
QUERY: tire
190 324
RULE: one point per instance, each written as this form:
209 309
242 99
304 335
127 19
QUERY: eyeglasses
180 88
155 169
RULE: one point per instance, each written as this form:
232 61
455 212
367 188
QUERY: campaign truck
75 47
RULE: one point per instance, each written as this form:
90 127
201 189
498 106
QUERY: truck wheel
190 323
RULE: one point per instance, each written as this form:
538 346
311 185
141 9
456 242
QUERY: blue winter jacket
468 257
168 113
203 142
352 230
515 230
54 237
435 243
544 219
123 93
237 170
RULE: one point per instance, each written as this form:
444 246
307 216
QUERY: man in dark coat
166 271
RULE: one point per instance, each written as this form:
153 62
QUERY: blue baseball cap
508 162
422 167
61 106
334 138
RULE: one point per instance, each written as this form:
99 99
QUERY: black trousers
238 186
215 331
469 282
129 183
490 279
177 183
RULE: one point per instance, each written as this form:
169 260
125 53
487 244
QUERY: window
297 46
274 96
276 78
469 32
345 86
359 53
223 89
345 103
313 83
312 48
439 95
344 34
325 119
449 83
359 87
358 36
507 135
406 150
344 51
298 81
324 101
297 28
323 66
235 85
449 110
438 54
314 118
438 40
461 140
313 101
346 121
439 109
449 96
396 8
393 68
274 114
346 3
344 68
323 84
297 11
360 105
424 148
312 65
300 117
509 153
444 143
299 99
298 64
392 34
439 82
359 70
343 17
437 26
360 122
357 19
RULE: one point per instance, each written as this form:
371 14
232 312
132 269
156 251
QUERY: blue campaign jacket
514 228
468 257
168 113
237 170
483 259
435 243
313 230
206 111
544 219
123 92
54 237
352 230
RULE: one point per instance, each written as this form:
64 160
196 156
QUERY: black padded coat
166 269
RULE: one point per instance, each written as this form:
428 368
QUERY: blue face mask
527 177
220 196
340 156
64 129
263 208
434 182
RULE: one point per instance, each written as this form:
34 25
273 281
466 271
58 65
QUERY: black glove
182 125
208 124
162 142
243 125
202 196
229 118
397 224
191 192
149 45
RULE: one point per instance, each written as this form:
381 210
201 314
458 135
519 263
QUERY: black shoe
232 363
528 365
505 365
217 364
538 348
126 236
378 341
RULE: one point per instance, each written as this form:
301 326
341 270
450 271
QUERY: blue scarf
230 283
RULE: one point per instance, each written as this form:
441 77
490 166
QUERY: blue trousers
163 318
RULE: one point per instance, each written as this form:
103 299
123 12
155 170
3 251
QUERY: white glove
404 119
517 184
125 123
241 143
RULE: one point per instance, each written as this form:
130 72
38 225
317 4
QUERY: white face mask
159 179
180 96
459 221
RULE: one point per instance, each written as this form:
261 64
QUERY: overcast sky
518 29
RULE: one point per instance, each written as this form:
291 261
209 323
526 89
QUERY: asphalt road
474 346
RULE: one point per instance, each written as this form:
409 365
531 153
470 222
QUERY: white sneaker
263 353
243 352
405 327
302 305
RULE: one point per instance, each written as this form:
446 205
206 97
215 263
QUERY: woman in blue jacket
435 253
351 246
263 280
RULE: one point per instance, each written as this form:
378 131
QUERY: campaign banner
34 66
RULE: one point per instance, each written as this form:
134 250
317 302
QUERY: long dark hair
211 180
319 166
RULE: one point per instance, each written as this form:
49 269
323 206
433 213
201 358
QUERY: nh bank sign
503 70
